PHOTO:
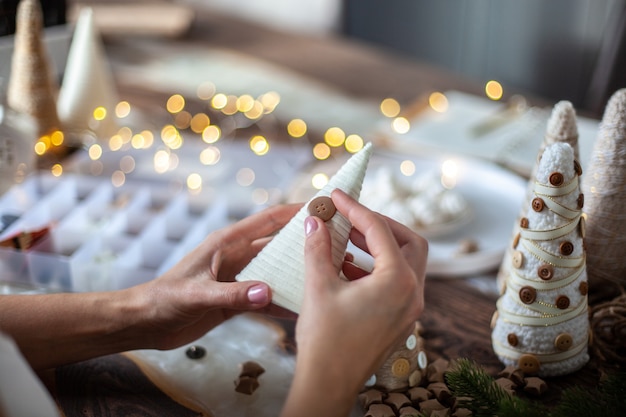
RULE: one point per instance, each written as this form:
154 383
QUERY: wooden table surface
457 317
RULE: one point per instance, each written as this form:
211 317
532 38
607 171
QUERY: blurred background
560 49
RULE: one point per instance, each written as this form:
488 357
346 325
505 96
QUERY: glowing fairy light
321 151
211 134
182 119
245 177
56 170
296 128
255 112
353 143
244 103
210 155
171 137
259 145
231 105
319 180
138 141
95 152
205 90
493 90
194 181
118 178
438 102
334 137
99 113
270 101
400 125
390 107
148 138
449 173
122 109
127 164
161 161
407 168
125 133
116 142
199 122
260 196
219 101
175 104
57 138
40 148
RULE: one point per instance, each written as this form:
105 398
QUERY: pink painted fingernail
258 294
310 225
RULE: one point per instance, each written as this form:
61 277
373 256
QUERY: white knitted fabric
537 325
281 263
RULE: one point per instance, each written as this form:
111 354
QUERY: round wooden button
512 339
566 248
516 240
537 204
529 364
556 179
580 202
577 168
562 302
518 259
545 272
322 207
400 367
563 342
527 295
523 223
583 288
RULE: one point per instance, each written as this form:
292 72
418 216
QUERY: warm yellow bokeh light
407 168
400 125
231 105
194 181
353 143
244 103
449 173
210 156
148 138
245 177
334 137
95 152
270 100
40 148
259 145
99 113
138 141
296 128
390 107
175 104
122 109
125 133
182 119
438 102
171 137
127 164
255 112
219 101
199 122
115 142
319 180
56 170
56 138
321 151
493 90
161 161
211 134
118 178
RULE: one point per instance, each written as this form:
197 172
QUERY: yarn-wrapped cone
604 185
31 89
281 262
561 127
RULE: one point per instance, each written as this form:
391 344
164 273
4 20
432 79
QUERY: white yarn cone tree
281 263
541 324
561 127
87 83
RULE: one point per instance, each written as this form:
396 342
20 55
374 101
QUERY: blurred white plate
494 194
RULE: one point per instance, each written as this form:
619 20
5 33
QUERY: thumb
248 295
317 251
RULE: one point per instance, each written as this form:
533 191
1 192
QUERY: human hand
200 292
347 328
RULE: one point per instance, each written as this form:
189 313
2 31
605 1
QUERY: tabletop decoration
561 127
88 96
32 89
541 323
603 185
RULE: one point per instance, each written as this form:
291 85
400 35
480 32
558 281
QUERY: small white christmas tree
541 324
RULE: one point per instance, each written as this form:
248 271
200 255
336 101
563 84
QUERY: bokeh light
390 107
493 90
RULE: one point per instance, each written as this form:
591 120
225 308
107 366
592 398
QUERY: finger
352 271
318 263
262 224
248 295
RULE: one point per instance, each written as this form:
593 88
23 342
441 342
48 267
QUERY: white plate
494 194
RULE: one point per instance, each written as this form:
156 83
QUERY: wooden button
583 288
537 204
523 223
556 179
516 240
195 352
322 207
411 342
518 259
582 226
512 339
529 364
527 295
400 367
580 202
545 272
577 168
562 302
563 342
566 248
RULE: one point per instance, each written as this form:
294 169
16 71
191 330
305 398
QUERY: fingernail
310 225
258 294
